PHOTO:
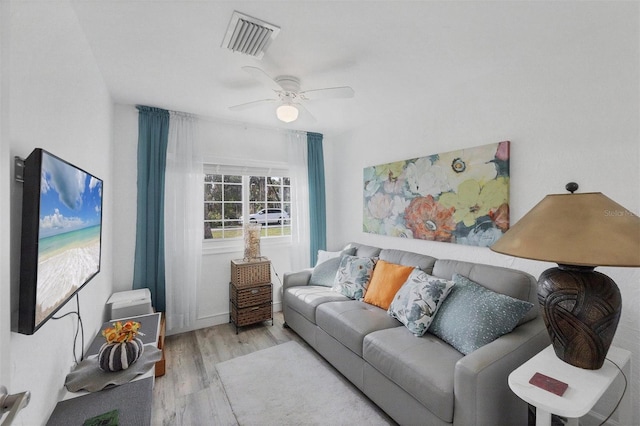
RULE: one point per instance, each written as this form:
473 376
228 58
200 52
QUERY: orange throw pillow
386 281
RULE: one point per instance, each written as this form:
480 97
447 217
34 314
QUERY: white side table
149 326
585 386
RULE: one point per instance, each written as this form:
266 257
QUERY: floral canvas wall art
457 197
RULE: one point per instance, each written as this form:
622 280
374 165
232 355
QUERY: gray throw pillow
324 273
472 315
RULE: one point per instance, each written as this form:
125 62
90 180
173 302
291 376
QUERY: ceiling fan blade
251 104
262 77
328 93
305 112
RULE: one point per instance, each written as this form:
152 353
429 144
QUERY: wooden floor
190 393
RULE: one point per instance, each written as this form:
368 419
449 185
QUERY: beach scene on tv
69 233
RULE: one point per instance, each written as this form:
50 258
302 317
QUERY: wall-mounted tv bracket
19 168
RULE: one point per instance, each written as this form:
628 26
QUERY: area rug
287 385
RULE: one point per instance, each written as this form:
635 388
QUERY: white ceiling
394 54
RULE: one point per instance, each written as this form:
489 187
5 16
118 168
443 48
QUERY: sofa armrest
481 388
292 279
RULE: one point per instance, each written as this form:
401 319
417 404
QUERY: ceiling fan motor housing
290 88
289 83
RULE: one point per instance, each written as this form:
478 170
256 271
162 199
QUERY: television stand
131 400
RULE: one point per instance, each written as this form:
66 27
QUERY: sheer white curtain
183 220
297 142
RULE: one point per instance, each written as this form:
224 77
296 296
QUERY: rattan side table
250 292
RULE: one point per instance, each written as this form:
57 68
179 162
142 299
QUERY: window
228 198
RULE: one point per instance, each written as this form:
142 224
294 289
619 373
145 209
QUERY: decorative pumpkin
119 356
123 348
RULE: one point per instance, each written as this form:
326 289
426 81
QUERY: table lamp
581 307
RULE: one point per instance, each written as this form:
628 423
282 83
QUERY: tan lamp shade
586 229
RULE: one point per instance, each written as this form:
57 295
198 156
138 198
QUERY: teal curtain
148 271
317 201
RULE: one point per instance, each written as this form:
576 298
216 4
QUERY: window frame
233 244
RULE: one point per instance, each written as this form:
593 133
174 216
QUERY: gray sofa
419 380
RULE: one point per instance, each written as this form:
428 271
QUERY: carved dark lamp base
581 309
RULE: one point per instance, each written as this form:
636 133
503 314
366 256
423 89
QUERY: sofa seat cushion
305 299
349 322
422 366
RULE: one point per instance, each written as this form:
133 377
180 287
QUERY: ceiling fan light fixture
287 113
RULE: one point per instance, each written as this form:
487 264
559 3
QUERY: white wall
564 91
231 143
570 109
125 153
5 194
58 102
237 144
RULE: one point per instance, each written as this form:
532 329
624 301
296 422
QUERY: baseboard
213 320
593 418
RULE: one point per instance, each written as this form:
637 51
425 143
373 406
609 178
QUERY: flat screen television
61 236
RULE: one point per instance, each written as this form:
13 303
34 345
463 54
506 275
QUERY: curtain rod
242 124
233 122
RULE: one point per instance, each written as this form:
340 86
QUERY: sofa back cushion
363 250
408 258
514 283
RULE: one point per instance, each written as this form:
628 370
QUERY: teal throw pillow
353 276
473 315
324 273
417 302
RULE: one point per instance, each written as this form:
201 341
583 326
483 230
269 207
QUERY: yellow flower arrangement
121 333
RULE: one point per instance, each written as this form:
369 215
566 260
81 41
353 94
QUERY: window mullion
246 211
221 213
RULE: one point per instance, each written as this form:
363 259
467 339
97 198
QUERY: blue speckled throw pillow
417 302
472 315
353 276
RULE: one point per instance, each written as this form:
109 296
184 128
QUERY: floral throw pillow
354 274
416 303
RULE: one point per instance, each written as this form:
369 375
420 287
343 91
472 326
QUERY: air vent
248 35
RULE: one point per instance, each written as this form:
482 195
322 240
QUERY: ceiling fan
289 95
